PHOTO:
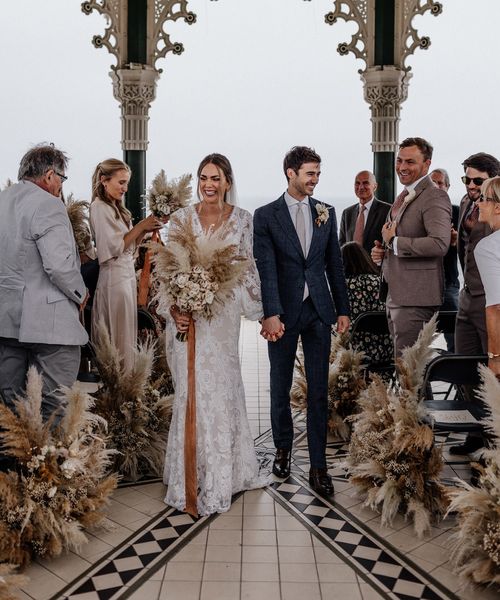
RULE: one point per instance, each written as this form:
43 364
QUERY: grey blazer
40 282
415 276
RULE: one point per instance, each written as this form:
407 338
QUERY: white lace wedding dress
225 452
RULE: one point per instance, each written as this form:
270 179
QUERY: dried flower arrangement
137 413
78 214
61 482
198 273
393 460
10 581
476 552
164 198
345 383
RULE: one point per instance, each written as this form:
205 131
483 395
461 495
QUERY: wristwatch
492 355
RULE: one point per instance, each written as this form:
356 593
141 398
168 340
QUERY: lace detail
226 459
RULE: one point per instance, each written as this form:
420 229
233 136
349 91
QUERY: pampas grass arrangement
78 211
165 197
61 482
137 412
345 383
393 461
10 581
476 552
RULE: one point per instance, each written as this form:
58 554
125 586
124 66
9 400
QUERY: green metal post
136 53
383 162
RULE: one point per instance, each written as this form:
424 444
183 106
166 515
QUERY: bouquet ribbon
190 472
144 281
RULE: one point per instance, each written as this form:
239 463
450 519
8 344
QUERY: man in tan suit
416 237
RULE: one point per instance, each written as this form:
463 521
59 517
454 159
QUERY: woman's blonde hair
107 168
492 185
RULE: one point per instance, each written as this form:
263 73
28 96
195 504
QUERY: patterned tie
300 226
472 218
360 225
398 204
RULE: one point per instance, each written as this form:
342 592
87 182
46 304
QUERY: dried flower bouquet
165 197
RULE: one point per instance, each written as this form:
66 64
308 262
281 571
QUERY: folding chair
374 322
457 370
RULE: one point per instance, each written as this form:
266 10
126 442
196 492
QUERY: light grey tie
300 226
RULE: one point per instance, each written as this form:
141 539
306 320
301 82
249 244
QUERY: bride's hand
181 319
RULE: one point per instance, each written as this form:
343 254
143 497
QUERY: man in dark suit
362 222
441 180
416 237
303 293
470 329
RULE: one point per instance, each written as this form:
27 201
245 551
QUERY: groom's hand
272 329
343 324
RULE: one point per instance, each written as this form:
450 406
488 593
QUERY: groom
303 294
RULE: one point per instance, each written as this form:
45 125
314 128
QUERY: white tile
220 590
260 572
259 522
180 590
299 572
294 538
260 554
346 591
223 554
190 553
219 571
224 537
299 591
149 590
184 571
259 538
296 554
227 522
258 590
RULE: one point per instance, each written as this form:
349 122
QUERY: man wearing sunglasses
470 329
41 288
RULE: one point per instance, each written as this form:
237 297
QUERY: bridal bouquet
165 197
198 273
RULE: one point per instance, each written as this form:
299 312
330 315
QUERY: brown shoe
321 482
281 464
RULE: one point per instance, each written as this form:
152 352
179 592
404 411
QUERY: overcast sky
256 77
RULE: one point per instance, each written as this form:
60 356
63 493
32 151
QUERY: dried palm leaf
78 211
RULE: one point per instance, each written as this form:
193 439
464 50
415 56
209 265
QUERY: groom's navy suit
284 271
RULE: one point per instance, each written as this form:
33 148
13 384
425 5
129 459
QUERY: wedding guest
41 287
487 255
115 300
362 278
226 462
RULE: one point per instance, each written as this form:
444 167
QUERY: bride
226 462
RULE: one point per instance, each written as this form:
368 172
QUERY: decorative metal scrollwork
410 38
357 11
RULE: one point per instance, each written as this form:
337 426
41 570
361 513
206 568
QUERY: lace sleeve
251 296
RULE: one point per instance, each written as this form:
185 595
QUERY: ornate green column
384 40
135 35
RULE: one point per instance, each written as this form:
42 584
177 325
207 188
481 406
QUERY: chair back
446 321
458 369
374 321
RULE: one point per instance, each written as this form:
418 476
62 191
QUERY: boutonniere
323 214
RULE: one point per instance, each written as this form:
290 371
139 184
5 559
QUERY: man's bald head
365 185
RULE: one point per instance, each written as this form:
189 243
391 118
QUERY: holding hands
152 223
181 319
272 329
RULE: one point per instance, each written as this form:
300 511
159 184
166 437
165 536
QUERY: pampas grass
78 211
187 253
393 461
476 551
10 581
165 197
345 382
137 412
60 485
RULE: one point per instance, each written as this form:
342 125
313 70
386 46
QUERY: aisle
282 543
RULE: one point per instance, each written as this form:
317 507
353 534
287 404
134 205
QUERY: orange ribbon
144 281
190 472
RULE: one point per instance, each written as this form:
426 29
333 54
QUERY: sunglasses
475 180
63 177
485 199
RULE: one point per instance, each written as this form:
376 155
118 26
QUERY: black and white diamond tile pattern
387 570
136 559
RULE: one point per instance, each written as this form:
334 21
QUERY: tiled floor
280 543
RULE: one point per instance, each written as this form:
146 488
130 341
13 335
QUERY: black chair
457 370
374 322
446 323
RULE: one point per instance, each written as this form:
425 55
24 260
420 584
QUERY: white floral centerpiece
165 197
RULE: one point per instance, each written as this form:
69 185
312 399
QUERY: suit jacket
284 269
450 262
415 276
373 226
40 282
466 245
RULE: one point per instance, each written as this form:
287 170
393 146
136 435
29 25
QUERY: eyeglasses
485 199
63 177
475 180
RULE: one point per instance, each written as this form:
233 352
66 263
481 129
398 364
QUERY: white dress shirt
293 207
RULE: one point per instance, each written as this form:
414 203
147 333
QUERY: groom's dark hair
297 156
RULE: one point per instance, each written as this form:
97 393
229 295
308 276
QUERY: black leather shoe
321 482
281 464
470 445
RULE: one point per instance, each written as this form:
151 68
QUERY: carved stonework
357 11
114 38
135 89
384 90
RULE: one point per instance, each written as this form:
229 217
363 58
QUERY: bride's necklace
210 223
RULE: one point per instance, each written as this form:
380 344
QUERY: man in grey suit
362 222
303 294
416 237
41 288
